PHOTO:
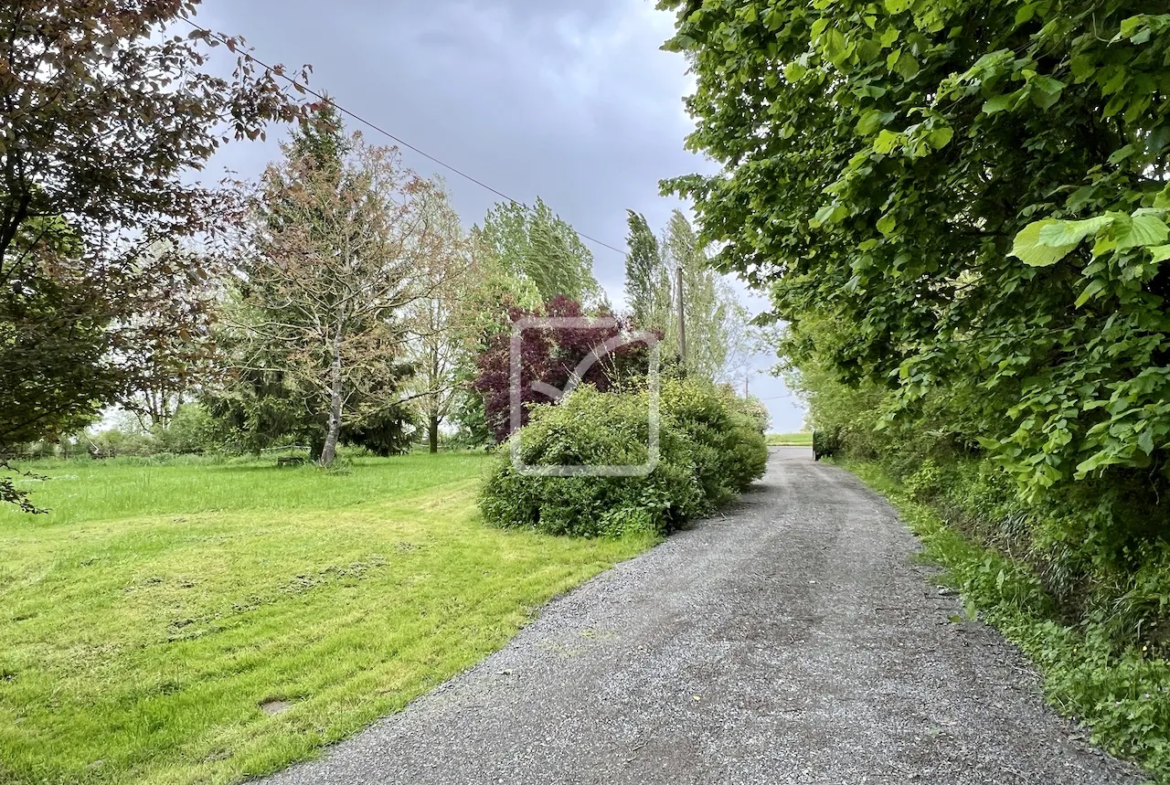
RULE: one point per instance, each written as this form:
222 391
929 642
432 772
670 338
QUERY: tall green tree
973 192
485 297
538 245
709 304
644 268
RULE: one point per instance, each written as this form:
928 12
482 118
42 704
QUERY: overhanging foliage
973 192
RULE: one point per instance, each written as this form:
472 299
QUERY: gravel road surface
794 640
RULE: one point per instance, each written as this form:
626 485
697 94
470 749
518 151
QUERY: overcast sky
571 100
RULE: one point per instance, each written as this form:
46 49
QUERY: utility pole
682 319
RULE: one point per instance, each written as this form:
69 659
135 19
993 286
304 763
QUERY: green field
790 439
206 623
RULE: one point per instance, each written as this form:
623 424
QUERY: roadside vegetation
710 449
803 439
1093 670
960 213
191 622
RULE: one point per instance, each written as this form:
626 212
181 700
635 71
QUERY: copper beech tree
347 248
104 106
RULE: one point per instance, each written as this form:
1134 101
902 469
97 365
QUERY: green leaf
1025 13
1140 230
835 47
1160 252
886 142
886 224
905 65
1131 25
1083 66
1093 289
1000 103
1122 154
794 72
831 213
872 120
1080 197
1045 91
1062 233
897 6
1028 248
940 137
1146 441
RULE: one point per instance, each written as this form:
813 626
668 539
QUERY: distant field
207 623
790 439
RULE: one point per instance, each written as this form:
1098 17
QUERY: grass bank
1123 697
790 440
204 623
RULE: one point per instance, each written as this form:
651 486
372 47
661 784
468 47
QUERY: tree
705 301
102 116
709 303
343 240
720 340
434 348
549 361
644 269
923 176
488 294
535 244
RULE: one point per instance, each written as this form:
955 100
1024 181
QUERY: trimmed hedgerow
710 450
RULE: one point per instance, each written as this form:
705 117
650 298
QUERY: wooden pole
682 319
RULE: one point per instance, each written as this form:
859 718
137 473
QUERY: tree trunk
434 413
329 451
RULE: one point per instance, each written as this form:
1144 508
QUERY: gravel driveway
792 641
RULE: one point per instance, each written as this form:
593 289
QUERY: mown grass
1123 697
147 621
790 439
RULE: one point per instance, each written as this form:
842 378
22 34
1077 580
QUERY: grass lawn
790 439
207 623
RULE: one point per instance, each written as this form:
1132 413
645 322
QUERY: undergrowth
1120 692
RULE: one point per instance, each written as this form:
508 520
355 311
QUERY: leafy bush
709 451
728 450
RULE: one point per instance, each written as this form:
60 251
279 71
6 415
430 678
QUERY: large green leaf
1160 252
941 137
1140 230
1029 249
1061 233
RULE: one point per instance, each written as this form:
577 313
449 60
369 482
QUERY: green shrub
728 451
709 452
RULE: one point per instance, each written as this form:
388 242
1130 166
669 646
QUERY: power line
306 89
777 398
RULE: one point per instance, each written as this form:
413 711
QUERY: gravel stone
792 640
